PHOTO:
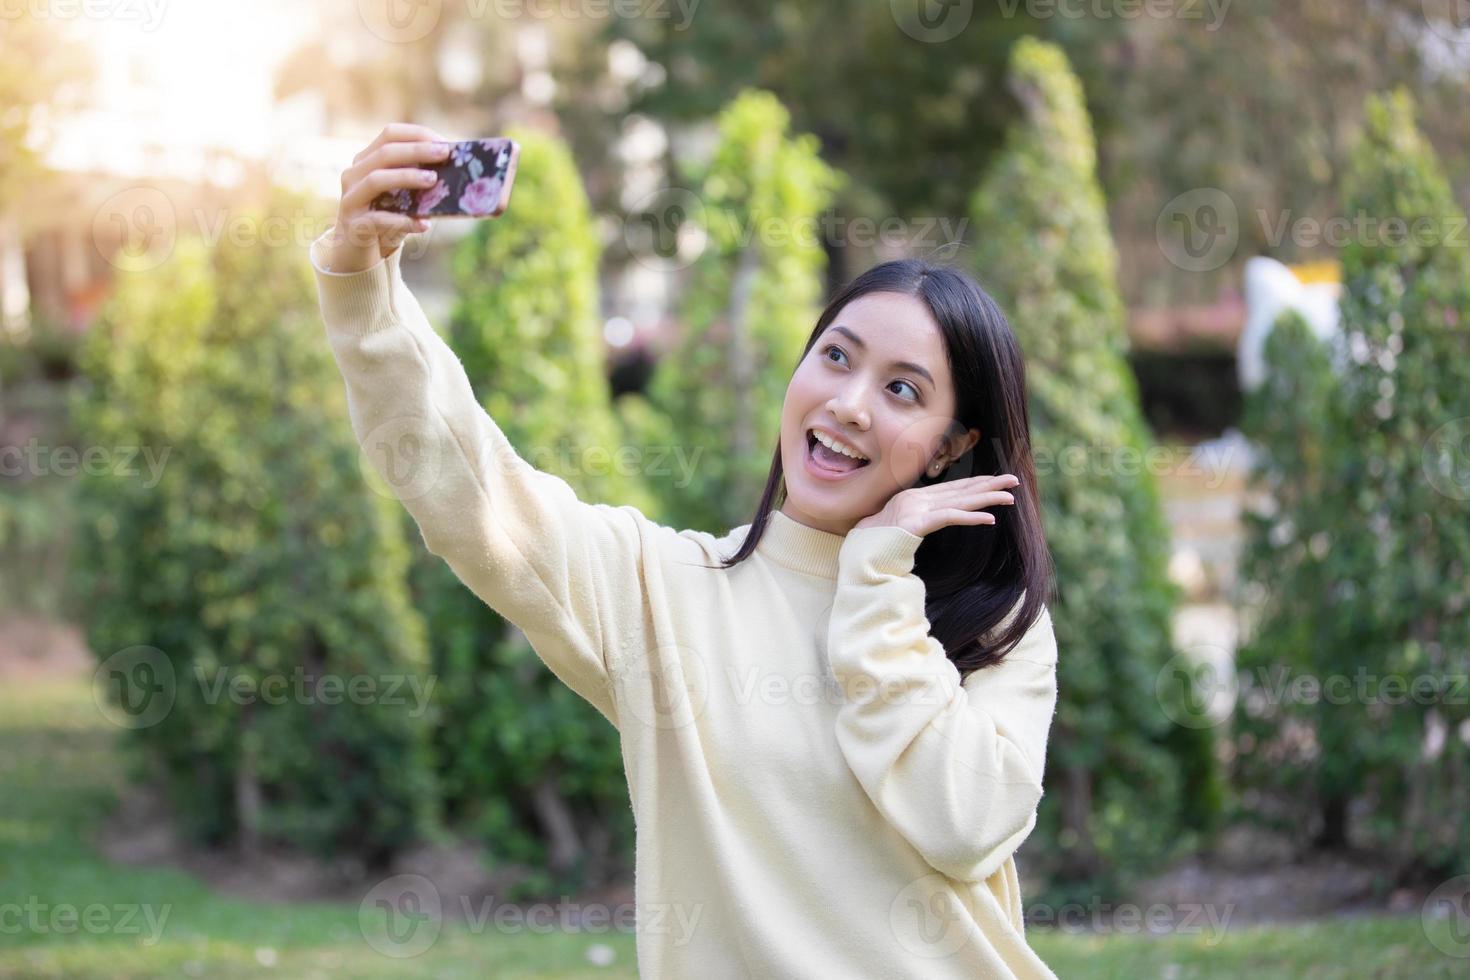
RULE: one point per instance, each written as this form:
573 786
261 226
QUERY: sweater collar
796 546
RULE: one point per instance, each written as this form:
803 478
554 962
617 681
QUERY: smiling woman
778 833
914 369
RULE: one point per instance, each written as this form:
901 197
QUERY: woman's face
878 380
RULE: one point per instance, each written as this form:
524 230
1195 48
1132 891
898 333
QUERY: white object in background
1270 290
15 293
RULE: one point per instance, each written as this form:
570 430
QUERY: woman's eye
833 347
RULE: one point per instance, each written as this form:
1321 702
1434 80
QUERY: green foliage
260 552
1363 554
62 770
1265 109
1303 622
43 70
514 742
35 518
35 494
750 302
528 326
1124 782
905 98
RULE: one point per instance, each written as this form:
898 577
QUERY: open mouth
828 459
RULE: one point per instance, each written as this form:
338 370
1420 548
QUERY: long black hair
974 575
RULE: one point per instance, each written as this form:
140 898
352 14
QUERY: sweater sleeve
566 572
955 767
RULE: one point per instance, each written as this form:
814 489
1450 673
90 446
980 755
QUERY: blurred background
249 726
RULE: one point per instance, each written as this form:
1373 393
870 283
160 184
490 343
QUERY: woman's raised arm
956 767
568 573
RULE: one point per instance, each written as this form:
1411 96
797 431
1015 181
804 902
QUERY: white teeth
837 447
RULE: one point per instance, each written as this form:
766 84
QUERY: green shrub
749 303
36 483
525 763
258 553
1297 621
1363 554
1124 784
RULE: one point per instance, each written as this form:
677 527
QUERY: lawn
66 912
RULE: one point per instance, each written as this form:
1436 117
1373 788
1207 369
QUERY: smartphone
474 182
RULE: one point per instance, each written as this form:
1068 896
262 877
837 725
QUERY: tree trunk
742 373
1077 817
1333 835
564 845
248 798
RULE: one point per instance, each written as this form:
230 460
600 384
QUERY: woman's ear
972 438
953 451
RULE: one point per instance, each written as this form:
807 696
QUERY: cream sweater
816 794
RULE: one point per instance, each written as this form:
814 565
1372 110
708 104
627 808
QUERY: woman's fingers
395 226
361 194
398 133
361 234
383 227
394 155
977 491
957 516
387 163
943 517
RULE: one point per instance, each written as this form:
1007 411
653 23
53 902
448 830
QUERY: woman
834 738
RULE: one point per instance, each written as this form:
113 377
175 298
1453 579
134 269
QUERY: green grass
1351 949
59 773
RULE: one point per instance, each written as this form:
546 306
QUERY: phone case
474 182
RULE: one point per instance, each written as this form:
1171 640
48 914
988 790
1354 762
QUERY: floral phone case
474 182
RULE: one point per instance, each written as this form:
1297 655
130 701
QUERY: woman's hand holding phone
364 235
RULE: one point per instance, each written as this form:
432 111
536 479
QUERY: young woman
833 719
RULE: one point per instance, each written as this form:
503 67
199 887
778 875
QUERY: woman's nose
847 406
